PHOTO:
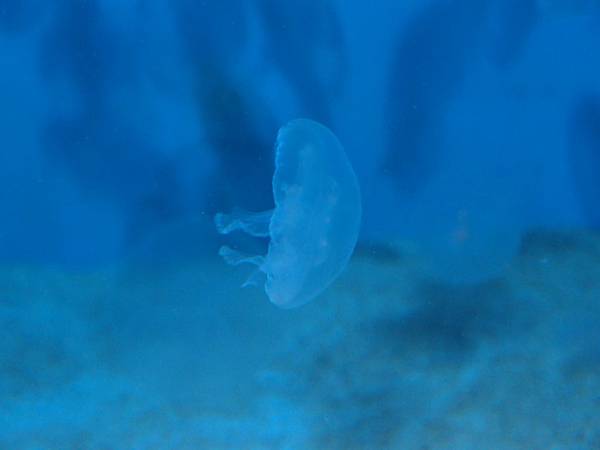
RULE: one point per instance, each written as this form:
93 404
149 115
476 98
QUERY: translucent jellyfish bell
315 223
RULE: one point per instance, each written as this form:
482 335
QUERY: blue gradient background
125 126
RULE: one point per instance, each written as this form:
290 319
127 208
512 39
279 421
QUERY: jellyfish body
315 223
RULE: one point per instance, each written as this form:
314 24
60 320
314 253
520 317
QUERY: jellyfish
315 223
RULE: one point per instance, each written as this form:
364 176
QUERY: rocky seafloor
181 358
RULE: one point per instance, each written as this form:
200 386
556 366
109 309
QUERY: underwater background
468 316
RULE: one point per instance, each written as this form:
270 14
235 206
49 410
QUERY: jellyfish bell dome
314 226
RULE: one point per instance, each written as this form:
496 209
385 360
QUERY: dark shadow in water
584 153
246 158
305 41
82 47
430 62
451 321
379 251
212 32
232 117
17 16
512 23
107 159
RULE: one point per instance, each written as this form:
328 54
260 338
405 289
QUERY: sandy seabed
179 357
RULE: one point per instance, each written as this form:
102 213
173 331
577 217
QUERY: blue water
467 316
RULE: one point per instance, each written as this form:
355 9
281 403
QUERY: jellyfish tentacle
253 223
234 257
256 278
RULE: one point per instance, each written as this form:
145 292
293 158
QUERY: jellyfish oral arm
235 258
253 223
